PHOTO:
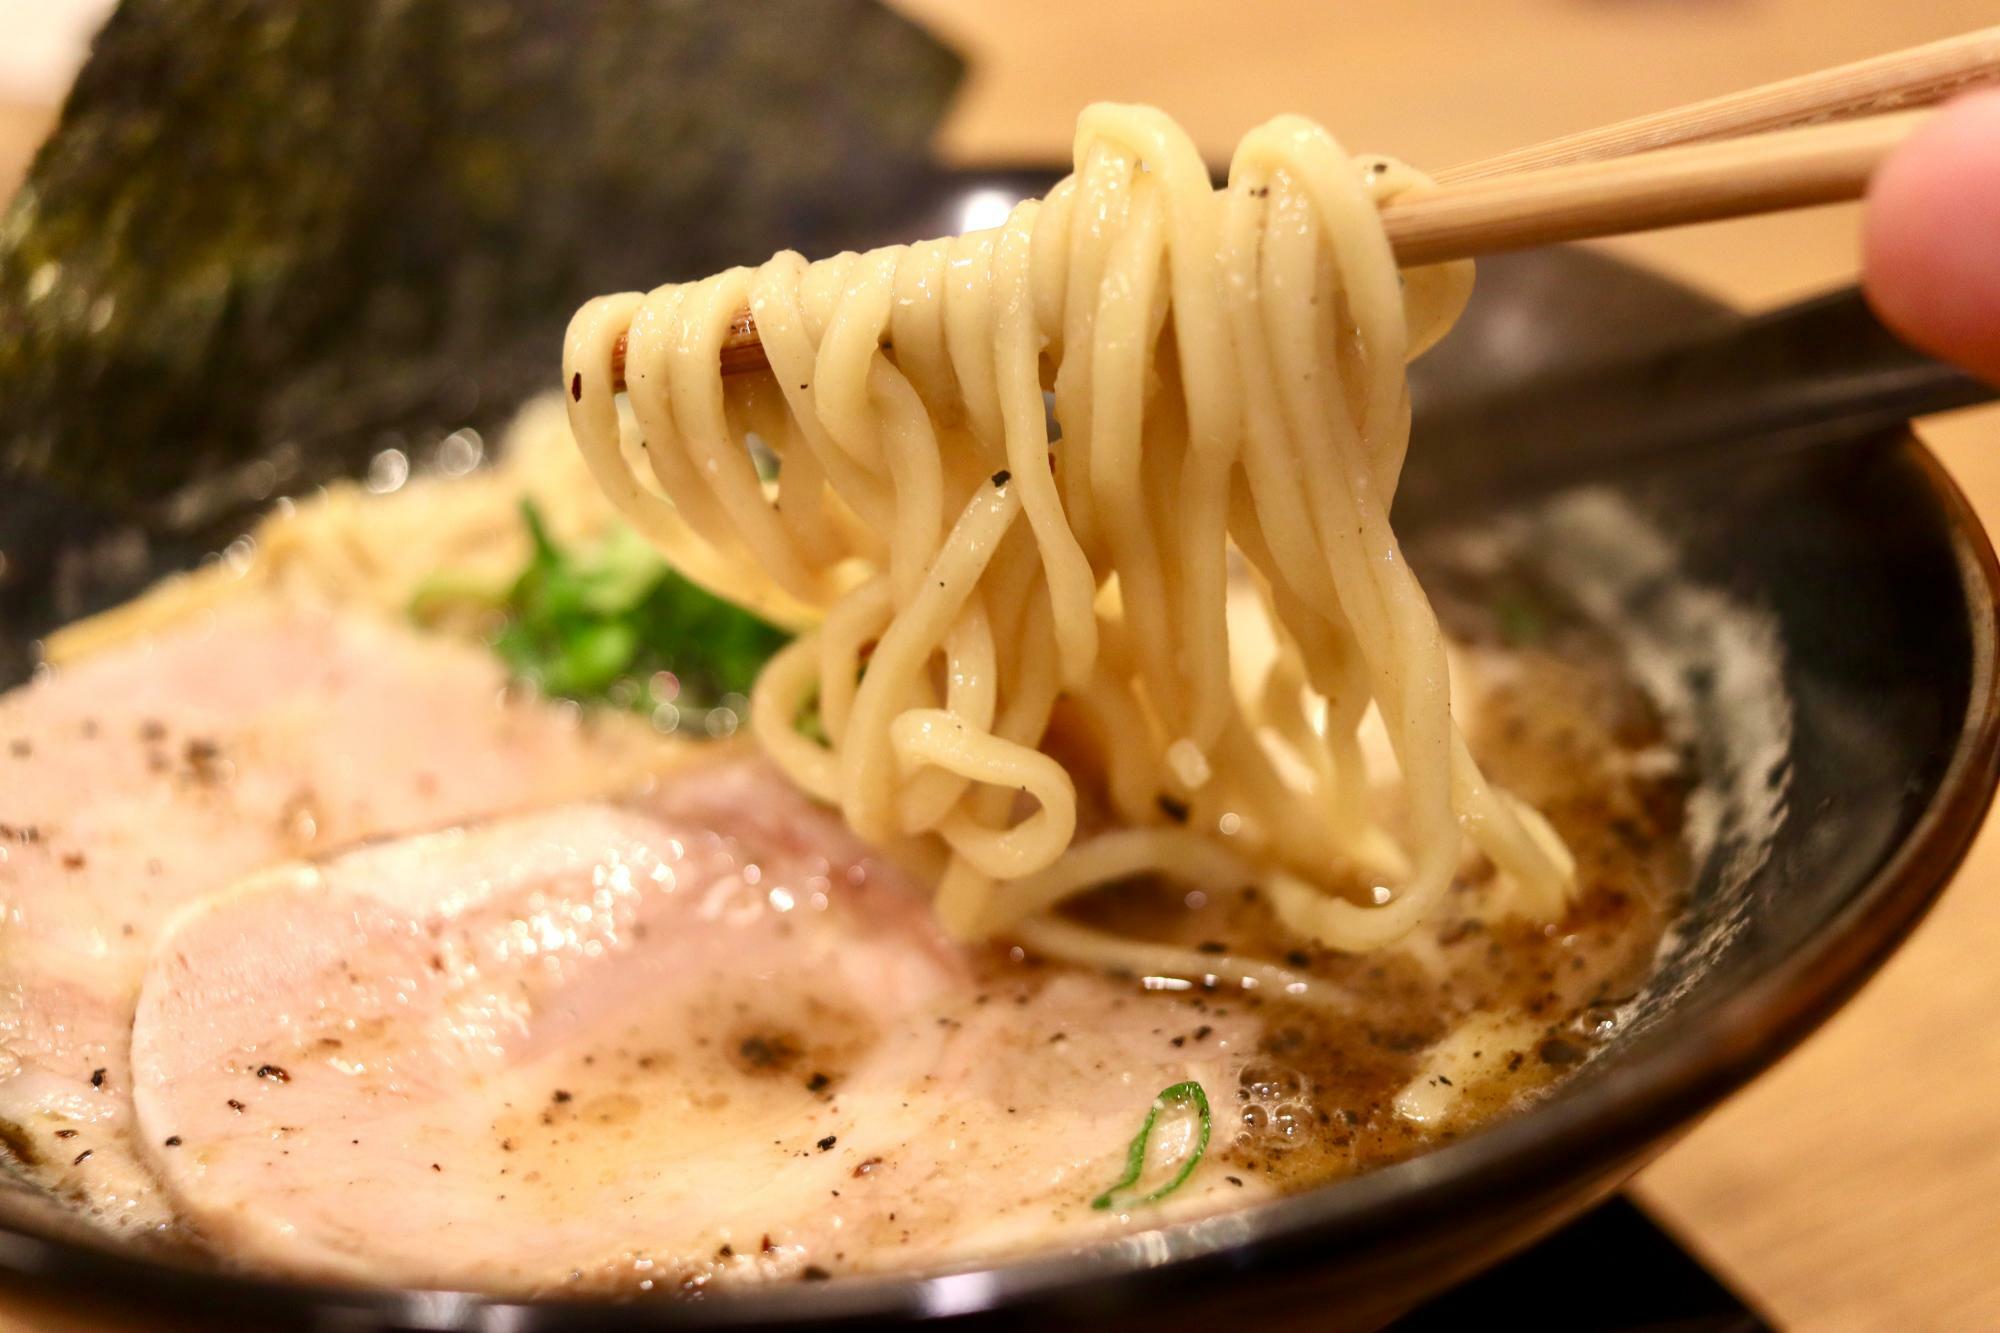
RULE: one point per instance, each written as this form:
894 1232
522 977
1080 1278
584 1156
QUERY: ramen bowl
1819 628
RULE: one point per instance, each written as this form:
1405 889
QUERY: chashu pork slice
142 778
634 1046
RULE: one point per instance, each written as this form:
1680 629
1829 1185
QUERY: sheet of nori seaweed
297 233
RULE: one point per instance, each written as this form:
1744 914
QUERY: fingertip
1931 236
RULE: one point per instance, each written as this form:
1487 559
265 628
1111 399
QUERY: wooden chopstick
1759 173
1899 81
1663 188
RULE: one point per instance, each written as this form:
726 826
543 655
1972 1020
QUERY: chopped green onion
603 624
1135 1156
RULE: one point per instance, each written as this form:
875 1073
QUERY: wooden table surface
1858 1185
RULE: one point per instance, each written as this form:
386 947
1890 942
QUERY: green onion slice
1135 1156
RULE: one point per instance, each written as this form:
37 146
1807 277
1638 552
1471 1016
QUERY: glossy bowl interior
1826 622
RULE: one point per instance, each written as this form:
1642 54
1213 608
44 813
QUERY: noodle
1019 636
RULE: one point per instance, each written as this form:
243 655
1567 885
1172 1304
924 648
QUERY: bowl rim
1631 1105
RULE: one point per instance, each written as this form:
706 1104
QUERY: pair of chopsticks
1814 139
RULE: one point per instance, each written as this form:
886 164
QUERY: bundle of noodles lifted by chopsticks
995 620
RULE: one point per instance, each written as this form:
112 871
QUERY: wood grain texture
1858 1185
1918 76
1668 187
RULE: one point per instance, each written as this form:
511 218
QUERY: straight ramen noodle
1018 648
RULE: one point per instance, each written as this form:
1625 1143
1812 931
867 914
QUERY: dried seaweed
271 239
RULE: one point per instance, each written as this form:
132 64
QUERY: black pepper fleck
775 1051
828 1142
200 756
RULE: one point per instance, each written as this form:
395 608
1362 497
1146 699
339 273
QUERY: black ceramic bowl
1826 620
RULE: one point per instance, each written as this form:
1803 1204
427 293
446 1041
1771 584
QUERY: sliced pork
136 781
694 1037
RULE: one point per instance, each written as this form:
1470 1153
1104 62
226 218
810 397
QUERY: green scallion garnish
602 625
1135 1156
